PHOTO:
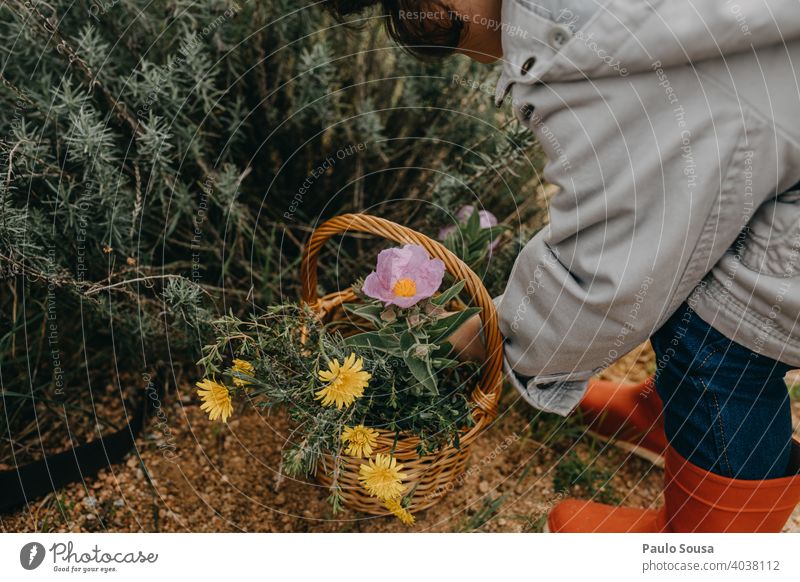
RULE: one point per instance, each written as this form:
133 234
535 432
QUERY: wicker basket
431 476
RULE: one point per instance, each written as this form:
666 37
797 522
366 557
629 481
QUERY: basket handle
487 393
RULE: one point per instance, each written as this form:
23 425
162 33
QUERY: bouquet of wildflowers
383 367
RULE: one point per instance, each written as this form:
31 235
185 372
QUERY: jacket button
528 65
558 37
526 111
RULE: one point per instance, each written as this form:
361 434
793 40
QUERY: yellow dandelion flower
345 382
399 511
216 399
243 367
359 440
382 477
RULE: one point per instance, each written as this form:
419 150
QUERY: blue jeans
726 408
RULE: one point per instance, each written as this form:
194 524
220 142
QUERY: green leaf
374 340
420 368
474 222
444 363
368 311
445 327
446 296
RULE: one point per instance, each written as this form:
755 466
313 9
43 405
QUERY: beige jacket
672 128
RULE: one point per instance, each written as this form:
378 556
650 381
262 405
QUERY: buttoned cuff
556 393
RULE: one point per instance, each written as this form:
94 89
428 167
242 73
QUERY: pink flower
485 218
404 276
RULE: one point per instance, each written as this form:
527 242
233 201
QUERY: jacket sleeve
648 202
635 34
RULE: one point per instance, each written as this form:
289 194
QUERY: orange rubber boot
695 501
628 415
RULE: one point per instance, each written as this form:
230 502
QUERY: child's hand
467 341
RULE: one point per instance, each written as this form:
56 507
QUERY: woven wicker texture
430 476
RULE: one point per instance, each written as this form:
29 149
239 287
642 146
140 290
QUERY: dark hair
425 28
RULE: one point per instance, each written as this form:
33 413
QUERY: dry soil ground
227 478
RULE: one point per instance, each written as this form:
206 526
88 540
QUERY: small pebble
483 487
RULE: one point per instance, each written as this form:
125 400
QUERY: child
670 128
